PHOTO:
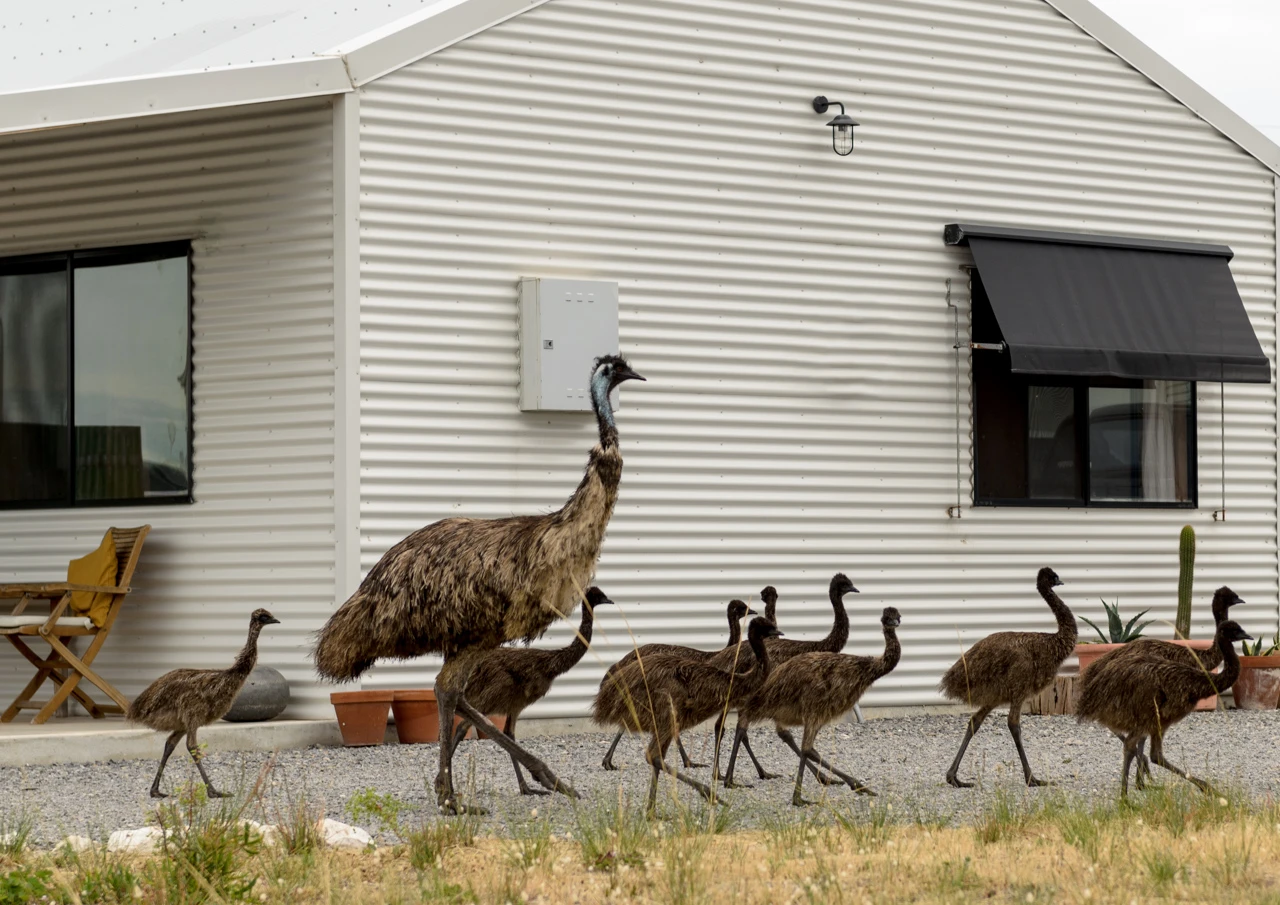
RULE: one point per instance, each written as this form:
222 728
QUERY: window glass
1138 442
1053 471
33 383
131 376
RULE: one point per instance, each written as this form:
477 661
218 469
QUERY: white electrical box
565 325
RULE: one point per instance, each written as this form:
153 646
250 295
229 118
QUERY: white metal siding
787 306
253 189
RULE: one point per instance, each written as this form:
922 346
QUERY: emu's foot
704 791
451 807
828 780
798 802
608 764
730 784
548 780
954 780
214 793
694 765
156 793
528 791
1033 782
862 790
765 774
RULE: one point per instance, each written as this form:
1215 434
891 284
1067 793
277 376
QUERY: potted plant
417 717
1118 633
1258 687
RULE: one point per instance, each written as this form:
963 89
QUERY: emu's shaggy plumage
667 693
510 679
780 651
1008 668
462 586
1141 694
813 689
183 700
735 612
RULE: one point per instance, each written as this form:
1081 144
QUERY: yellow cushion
98 568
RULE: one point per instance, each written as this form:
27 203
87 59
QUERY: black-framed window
1067 441
95 377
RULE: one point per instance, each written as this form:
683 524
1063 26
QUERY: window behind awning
1103 306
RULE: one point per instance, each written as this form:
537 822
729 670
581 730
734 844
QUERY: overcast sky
1227 46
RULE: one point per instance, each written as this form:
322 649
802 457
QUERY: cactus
1186 566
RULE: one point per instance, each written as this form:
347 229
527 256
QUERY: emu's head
1047 578
841 585
1223 599
739 610
611 370
597 597
262 617
1232 632
890 618
761 628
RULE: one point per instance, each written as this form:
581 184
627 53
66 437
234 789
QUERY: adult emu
1141 696
464 586
510 679
183 700
1008 668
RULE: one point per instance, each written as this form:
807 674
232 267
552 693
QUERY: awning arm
961 233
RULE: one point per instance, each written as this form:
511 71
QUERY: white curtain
1159 399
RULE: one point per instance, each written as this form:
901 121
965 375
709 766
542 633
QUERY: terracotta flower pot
1088 653
1258 687
362 716
417 717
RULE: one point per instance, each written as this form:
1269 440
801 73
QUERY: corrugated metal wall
788 306
253 189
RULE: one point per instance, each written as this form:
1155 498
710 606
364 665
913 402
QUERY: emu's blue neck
604 411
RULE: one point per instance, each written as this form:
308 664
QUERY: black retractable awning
1076 304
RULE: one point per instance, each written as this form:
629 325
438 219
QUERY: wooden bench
63 667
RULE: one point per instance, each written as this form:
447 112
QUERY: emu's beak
751 612
271 620
624 372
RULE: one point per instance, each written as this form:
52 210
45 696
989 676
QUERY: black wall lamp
841 126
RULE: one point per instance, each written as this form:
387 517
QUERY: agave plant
1119 632
1257 650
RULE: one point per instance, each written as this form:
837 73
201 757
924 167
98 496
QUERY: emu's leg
653 753
537 769
1015 729
460 732
450 681
194 751
796 800
975 723
821 777
608 763
1157 757
1131 743
684 755
510 731
739 732
169 744
760 771
805 751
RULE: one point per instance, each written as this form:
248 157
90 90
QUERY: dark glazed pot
264 696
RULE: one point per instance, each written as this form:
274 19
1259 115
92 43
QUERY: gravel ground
903 759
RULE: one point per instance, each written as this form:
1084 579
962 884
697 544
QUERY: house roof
67 62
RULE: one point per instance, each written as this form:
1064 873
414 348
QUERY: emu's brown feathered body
735 612
814 689
1147 649
183 700
667 693
462 586
1008 668
464 582
1142 694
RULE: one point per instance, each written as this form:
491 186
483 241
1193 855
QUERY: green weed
613 832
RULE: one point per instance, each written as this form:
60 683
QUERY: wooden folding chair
62 667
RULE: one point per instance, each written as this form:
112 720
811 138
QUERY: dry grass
1170 844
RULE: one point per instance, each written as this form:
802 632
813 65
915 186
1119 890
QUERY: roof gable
77 62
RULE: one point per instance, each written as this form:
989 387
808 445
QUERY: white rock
269 833
76 843
343 835
142 841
